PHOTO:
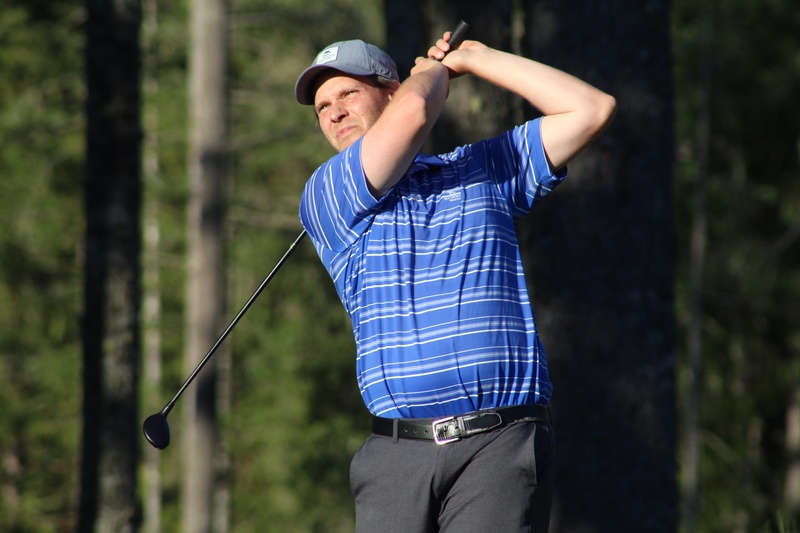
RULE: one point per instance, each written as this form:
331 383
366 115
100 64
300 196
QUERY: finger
438 51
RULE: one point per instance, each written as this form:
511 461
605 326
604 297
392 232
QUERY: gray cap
351 57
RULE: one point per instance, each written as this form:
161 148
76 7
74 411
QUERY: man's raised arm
575 112
390 145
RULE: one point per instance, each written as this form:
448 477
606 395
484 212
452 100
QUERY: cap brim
304 88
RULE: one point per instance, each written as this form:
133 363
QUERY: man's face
347 106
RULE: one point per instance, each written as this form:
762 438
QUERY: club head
156 430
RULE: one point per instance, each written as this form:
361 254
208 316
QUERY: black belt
453 428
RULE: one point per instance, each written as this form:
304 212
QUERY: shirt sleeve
518 164
336 206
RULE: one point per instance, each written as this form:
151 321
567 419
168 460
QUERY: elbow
605 111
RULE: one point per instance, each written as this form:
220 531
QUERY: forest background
714 444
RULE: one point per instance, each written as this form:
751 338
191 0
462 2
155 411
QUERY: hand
456 60
421 64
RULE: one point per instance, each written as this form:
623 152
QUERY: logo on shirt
453 195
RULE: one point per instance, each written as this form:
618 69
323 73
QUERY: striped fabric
432 278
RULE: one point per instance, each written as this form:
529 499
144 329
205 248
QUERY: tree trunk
693 384
112 194
205 283
600 258
403 33
791 490
152 366
599 252
152 283
475 109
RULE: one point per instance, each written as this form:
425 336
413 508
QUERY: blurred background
152 160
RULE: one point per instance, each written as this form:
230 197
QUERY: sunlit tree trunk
151 278
152 365
112 193
205 278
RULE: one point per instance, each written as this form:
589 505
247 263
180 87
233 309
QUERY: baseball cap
351 57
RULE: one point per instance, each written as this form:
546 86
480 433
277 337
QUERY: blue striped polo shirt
431 275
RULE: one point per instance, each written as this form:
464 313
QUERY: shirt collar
423 161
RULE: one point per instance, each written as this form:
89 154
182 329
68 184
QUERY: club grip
457 37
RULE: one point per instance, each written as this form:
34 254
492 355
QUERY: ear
393 89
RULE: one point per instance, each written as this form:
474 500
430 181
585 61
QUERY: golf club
156 427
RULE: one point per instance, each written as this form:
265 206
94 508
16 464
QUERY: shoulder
346 162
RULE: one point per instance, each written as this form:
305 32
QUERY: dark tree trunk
112 190
598 252
404 35
475 109
600 259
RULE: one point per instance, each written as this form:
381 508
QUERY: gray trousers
498 481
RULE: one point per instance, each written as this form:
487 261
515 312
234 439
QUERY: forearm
548 89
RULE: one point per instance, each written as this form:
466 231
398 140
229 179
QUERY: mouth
345 131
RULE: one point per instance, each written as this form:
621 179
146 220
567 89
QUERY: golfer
424 256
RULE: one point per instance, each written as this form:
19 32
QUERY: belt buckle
441 431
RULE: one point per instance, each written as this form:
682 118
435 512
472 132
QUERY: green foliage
41 99
297 418
752 273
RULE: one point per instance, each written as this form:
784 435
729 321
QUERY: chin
342 144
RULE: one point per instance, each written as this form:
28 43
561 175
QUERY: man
423 254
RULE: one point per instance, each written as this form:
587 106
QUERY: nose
337 112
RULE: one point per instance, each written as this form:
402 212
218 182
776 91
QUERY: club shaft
171 404
456 39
